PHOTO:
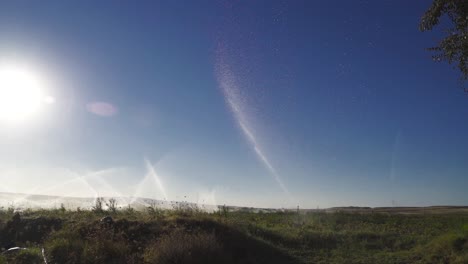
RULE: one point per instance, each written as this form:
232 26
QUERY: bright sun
21 94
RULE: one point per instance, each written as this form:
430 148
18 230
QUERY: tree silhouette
454 47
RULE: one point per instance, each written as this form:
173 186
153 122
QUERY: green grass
191 236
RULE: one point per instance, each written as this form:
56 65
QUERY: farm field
189 235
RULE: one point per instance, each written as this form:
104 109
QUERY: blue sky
256 103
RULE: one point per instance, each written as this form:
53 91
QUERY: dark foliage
233 237
454 47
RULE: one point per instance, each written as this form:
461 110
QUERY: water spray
233 98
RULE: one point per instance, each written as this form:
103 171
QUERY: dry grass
234 237
181 247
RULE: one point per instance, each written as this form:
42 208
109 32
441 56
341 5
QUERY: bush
447 249
460 244
63 250
112 205
98 205
107 251
182 247
88 244
25 256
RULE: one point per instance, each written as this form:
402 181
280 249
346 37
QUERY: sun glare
21 94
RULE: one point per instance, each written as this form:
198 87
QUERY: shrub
65 250
88 244
98 205
112 205
447 249
460 243
154 212
107 251
182 247
26 256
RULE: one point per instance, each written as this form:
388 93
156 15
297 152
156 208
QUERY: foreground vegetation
187 235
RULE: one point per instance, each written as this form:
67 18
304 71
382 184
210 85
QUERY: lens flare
103 109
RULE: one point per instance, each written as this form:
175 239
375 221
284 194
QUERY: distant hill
402 210
19 201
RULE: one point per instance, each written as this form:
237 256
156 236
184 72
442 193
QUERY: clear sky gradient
255 103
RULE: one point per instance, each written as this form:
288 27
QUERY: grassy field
187 235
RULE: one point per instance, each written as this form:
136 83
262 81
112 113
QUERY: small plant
129 210
62 208
154 211
11 209
185 208
223 211
98 208
112 205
